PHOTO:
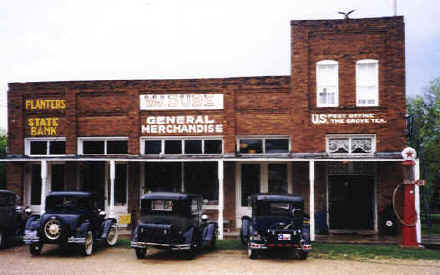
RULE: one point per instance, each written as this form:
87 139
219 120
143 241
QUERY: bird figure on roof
346 14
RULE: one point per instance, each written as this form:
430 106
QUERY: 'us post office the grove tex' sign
181 102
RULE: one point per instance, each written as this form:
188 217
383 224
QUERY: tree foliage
425 120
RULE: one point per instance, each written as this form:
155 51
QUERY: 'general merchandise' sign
181 102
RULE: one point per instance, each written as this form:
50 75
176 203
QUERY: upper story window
45 146
263 145
102 146
351 144
367 82
178 146
327 83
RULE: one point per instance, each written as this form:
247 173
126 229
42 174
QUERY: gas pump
410 216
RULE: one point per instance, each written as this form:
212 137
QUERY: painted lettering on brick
181 102
43 126
45 104
357 118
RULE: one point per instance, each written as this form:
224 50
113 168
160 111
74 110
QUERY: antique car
70 217
277 224
12 217
173 221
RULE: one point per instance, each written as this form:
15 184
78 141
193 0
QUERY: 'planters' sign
346 119
181 102
181 125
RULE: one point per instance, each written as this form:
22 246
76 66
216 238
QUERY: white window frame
359 82
182 139
27 145
318 85
105 139
263 138
350 137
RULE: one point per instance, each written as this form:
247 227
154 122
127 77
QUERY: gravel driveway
54 260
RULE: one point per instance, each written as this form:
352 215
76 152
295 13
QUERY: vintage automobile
277 223
173 221
12 217
70 217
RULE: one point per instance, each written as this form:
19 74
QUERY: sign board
124 219
181 102
191 124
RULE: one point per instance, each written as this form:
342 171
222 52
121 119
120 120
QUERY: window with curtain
367 82
327 83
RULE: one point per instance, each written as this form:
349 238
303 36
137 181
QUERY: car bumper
30 239
265 246
160 245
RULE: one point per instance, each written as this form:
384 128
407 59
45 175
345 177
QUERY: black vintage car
173 221
277 223
12 217
70 217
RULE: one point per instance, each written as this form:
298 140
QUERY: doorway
351 201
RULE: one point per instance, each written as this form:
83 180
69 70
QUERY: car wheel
302 255
87 247
252 254
3 240
112 236
35 249
53 229
141 253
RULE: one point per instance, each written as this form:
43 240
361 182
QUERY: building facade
332 132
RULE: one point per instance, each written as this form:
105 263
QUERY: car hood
180 223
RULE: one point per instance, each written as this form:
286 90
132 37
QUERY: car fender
245 227
209 231
106 225
33 223
84 227
188 235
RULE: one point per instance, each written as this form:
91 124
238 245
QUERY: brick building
332 131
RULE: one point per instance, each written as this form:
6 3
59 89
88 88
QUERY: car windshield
165 207
67 203
267 208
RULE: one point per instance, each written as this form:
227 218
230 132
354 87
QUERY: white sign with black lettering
347 119
181 102
181 125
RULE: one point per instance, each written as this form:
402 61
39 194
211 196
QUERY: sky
61 40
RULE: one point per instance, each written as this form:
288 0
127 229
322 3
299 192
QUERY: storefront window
153 147
201 178
103 146
250 182
38 147
163 177
173 147
193 146
57 180
266 145
45 146
121 184
213 147
93 147
57 147
117 147
351 144
36 184
278 178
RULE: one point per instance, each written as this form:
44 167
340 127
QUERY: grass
342 251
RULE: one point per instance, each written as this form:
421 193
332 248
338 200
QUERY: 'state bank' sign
181 102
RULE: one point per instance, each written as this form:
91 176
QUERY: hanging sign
181 102
409 154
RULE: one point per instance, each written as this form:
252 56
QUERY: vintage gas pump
410 215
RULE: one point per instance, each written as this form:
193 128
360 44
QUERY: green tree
3 146
425 117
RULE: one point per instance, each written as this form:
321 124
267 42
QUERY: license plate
284 237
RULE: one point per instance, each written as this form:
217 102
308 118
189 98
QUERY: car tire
3 239
87 248
35 249
252 254
302 255
112 236
141 253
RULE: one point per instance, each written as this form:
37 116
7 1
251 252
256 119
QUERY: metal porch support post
417 201
112 188
43 185
312 199
220 199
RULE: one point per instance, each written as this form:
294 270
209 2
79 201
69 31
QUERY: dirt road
17 260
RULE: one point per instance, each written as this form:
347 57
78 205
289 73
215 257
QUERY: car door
7 212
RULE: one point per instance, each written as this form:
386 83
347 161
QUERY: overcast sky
43 40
